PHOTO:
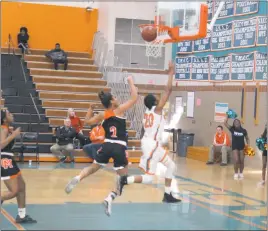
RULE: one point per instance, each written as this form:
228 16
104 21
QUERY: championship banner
242 67
183 68
227 10
222 36
200 68
262 31
220 68
244 7
260 66
204 44
244 32
185 47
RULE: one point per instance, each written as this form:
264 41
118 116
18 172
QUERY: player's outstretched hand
16 132
91 107
130 80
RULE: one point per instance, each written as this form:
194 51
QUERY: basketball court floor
211 199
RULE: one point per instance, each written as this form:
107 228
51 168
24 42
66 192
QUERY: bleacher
53 93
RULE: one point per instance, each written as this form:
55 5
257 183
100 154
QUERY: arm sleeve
71 133
58 132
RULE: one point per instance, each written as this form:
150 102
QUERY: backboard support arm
215 17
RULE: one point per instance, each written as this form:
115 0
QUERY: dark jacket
23 38
57 54
65 135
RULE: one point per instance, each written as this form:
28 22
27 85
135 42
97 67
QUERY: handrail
35 106
10 43
23 71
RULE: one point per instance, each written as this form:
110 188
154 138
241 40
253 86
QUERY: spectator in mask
77 124
57 56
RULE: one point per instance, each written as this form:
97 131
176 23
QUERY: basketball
149 33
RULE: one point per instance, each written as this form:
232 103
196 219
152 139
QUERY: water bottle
133 148
30 162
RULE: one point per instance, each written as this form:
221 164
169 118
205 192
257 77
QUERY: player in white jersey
153 151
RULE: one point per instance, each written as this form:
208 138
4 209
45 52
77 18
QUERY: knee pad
171 168
147 179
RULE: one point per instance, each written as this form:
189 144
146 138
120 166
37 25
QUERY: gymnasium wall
72 27
203 125
109 11
81 4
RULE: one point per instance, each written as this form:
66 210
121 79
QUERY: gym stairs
54 91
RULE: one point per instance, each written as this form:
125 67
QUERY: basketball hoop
168 33
154 48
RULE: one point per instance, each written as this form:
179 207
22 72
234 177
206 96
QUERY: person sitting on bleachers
97 136
221 144
77 124
23 38
64 146
57 56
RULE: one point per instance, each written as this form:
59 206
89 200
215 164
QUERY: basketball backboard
185 15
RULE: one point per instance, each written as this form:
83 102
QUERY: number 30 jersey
153 124
115 128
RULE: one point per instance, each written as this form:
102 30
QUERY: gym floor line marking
208 207
218 188
11 219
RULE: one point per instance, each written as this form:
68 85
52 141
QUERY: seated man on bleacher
221 144
64 146
57 56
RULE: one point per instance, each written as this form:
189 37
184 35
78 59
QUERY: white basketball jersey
153 124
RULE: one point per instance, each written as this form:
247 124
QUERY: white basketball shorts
153 153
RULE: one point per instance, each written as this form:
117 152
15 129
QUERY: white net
154 49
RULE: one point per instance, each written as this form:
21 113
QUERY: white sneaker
241 176
236 176
70 186
108 207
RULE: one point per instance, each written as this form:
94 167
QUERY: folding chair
23 146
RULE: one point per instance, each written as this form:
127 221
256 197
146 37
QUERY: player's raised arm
226 124
90 119
168 89
133 98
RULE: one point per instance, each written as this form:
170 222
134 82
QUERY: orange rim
174 31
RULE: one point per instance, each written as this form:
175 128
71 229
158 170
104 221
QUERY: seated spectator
77 125
97 136
57 56
221 144
23 38
64 146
